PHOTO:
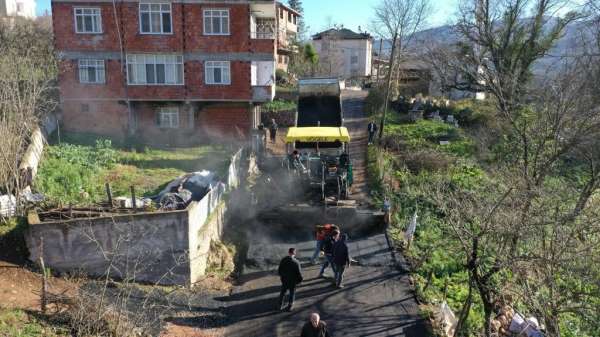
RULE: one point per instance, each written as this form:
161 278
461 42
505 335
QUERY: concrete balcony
263 93
285 42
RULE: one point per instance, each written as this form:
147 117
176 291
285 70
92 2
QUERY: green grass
18 323
76 172
427 134
418 164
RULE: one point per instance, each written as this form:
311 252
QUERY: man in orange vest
321 232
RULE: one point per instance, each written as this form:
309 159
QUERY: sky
319 14
350 13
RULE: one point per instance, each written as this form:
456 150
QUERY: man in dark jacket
291 275
315 327
341 259
273 130
327 247
371 128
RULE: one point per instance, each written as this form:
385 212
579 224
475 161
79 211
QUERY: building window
295 20
281 13
354 59
168 117
216 22
91 71
20 7
85 107
289 16
155 18
88 20
217 72
152 69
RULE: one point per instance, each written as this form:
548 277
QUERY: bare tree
397 21
534 236
27 72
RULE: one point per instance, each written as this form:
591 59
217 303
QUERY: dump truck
319 143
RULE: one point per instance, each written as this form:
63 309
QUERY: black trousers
284 289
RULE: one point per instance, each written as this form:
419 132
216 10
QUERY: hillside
569 43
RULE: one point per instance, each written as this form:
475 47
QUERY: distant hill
446 35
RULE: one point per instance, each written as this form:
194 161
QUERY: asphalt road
377 300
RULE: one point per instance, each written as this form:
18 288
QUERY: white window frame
170 114
97 15
160 12
135 61
92 63
208 13
223 65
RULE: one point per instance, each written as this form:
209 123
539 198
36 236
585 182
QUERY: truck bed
326 110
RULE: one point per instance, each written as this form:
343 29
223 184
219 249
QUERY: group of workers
333 245
273 127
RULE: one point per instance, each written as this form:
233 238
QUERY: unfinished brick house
165 72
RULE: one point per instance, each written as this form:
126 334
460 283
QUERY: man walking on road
290 275
372 128
328 244
341 260
315 327
273 130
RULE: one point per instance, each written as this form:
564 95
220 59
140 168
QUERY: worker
371 128
341 260
321 232
344 160
295 162
328 244
387 207
290 274
273 130
315 327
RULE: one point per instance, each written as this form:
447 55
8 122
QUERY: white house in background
344 53
24 8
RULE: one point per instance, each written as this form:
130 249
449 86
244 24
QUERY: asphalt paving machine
319 144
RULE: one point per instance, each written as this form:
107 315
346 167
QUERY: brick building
164 72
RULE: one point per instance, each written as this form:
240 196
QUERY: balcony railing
262 35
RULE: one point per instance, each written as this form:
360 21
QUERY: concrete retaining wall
150 247
161 247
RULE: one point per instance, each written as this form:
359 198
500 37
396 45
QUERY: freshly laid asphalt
377 299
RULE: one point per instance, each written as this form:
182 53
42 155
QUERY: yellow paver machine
319 157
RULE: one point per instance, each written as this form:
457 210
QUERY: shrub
281 77
471 112
425 160
12 240
279 105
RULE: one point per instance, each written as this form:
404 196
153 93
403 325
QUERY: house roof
342 34
279 4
